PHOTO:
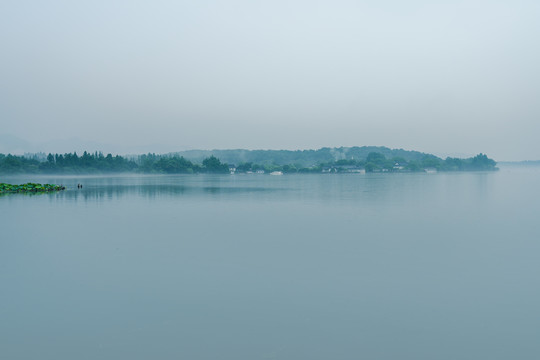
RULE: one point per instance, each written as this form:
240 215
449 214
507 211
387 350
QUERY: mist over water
381 266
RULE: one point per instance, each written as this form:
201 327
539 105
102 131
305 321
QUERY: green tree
376 158
213 165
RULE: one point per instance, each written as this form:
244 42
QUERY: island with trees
367 159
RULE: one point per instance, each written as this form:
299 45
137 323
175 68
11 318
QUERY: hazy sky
437 76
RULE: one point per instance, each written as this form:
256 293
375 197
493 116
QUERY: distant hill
300 157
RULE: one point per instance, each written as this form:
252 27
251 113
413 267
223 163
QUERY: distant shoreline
366 159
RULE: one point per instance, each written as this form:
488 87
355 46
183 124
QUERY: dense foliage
66 163
377 162
174 164
29 187
302 158
71 163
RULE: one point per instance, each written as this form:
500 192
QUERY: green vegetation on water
325 160
29 188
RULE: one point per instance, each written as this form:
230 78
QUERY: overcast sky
443 77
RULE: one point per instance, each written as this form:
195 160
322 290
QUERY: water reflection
253 267
157 190
373 189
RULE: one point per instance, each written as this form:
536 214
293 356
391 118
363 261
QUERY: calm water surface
388 266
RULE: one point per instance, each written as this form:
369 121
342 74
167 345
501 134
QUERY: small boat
276 173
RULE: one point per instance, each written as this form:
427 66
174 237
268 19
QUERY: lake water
376 266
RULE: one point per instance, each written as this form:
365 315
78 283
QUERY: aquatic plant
29 187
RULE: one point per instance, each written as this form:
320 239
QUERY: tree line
300 158
378 162
97 162
71 163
